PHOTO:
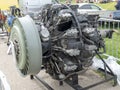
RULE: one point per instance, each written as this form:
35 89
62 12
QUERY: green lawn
112 46
108 6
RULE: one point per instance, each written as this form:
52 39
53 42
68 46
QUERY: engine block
56 38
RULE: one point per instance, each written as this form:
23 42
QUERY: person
1 20
10 22
77 1
117 6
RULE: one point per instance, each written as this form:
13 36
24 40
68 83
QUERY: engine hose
58 37
69 10
89 41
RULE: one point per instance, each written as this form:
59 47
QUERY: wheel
27 49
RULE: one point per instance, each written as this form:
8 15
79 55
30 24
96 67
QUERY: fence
112 45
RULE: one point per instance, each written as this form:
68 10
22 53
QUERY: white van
27 6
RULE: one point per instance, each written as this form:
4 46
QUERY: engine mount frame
73 79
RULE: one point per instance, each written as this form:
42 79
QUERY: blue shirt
10 20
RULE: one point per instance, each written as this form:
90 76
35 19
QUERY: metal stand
42 81
73 79
73 82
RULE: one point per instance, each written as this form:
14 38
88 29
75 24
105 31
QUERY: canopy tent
5 4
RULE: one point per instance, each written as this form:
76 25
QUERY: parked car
88 7
116 15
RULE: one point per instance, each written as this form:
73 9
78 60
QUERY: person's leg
2 25
2 28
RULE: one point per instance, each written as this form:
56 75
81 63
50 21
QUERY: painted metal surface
27 46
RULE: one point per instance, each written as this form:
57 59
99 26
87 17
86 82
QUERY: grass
64 1
107 6
112 45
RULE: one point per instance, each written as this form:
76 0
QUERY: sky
4 4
